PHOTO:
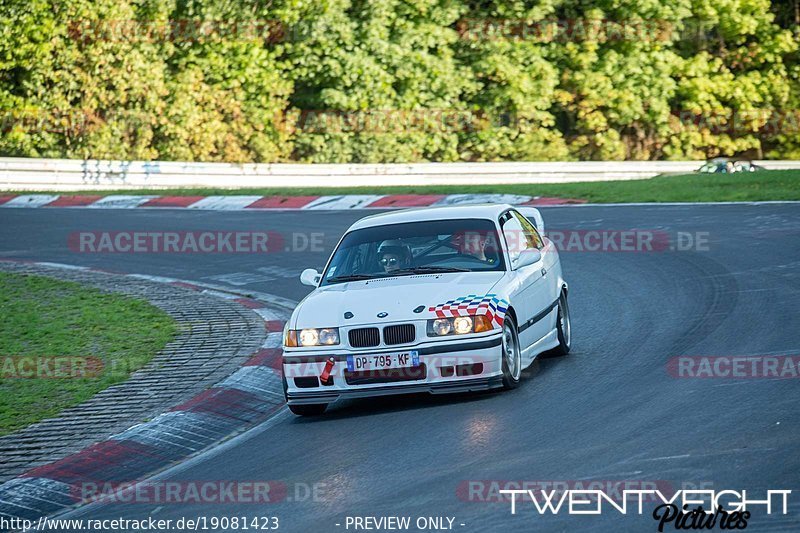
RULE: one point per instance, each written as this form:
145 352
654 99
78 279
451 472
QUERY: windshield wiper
430 270
402 271
351 277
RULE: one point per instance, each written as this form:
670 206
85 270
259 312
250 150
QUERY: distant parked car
728 166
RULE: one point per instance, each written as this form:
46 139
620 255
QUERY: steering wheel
437 245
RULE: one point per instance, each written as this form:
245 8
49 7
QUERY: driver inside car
394 255
479 245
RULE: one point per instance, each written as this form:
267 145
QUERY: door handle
544 271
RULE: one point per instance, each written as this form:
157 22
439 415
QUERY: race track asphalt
608 411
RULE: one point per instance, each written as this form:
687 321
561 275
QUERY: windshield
468 245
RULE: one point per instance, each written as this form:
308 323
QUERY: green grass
44 318
750 186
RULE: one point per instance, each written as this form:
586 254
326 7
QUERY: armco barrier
66 174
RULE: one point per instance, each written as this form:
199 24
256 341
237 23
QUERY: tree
72 84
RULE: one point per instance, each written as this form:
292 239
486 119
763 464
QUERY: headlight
312 337
309 337
441 326
459 325
329 336
462 324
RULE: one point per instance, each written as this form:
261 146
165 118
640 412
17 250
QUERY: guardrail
24 174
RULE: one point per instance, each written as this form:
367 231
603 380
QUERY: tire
563 326
510 355
313 409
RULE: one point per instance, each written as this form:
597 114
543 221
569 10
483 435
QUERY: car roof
450 212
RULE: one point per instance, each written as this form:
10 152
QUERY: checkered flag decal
473 304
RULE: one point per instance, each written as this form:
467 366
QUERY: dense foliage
399 80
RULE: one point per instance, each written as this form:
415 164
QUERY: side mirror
310 277
528 257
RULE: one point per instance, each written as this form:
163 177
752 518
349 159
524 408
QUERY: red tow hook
326 373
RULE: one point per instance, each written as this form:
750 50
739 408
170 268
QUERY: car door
551 271
529 290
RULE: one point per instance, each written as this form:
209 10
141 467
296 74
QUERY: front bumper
445 367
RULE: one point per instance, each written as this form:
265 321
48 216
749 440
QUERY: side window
531 234
516 241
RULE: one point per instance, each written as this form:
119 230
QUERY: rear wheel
563 326
512 359
313 409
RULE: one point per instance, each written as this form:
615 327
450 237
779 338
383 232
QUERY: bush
398 81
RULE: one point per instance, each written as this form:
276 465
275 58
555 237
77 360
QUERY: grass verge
742 187
61 342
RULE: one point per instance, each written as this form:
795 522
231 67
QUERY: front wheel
563 326
313 409
512 359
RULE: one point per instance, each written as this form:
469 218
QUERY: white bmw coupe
437 300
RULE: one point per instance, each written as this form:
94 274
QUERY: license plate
361 363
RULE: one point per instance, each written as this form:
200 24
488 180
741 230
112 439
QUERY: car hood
399 296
